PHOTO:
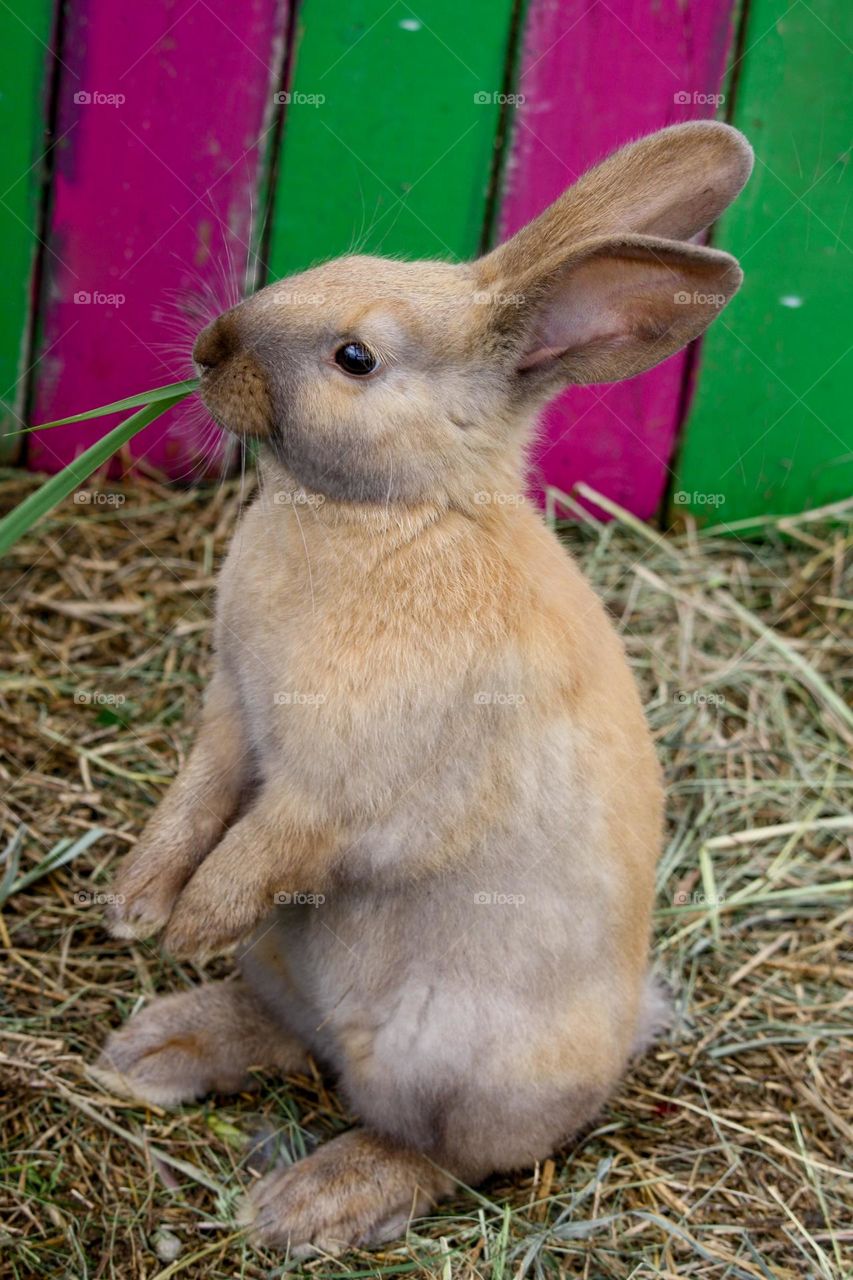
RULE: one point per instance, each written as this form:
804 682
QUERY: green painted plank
25 33
389 133
771 429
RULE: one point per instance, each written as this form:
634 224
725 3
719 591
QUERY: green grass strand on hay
63 852
47 496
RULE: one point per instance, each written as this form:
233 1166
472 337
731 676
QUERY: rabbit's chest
338 695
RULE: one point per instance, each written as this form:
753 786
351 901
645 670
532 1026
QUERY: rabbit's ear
674 184
610 310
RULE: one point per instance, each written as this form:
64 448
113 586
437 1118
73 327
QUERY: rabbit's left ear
611 309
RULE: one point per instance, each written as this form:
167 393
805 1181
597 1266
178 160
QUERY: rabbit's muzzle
233 385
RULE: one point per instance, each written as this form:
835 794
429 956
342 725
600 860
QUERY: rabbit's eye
357 359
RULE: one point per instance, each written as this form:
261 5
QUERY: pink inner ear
597 302
567 333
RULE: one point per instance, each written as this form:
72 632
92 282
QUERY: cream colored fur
423 797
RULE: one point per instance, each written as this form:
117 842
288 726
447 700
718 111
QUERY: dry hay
723 1153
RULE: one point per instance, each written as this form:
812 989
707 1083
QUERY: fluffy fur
423 794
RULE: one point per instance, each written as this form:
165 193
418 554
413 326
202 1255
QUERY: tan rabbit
422 774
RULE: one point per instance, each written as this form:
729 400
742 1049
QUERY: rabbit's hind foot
205 1040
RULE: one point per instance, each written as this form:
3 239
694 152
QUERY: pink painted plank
593 76
165 110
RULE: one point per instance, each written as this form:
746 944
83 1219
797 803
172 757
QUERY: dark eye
356 358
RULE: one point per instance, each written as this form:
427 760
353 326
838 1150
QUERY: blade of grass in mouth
158 394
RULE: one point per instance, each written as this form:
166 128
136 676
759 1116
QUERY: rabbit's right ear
672 184
610 310
605 283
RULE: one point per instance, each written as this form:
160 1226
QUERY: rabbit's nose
215 344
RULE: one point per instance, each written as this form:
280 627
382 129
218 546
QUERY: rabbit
423 800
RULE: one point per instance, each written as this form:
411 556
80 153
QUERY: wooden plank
390 130
163 115
594 76
24 65
771 428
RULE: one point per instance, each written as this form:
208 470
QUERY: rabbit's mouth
232 387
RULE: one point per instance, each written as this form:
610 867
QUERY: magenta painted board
164 112
593 76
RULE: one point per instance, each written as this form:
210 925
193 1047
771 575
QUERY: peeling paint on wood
396 158
594 76
163 118
771 428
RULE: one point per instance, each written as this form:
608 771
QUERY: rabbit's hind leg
195 1042
358 1189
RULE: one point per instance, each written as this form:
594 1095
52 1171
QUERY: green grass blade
63 852
24 516
184 388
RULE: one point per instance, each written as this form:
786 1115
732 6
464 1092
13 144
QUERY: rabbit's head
375 381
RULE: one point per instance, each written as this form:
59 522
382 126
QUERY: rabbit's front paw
143 896
213 913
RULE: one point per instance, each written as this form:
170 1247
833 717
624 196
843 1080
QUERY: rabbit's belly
451 971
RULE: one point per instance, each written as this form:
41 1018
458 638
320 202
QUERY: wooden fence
159 160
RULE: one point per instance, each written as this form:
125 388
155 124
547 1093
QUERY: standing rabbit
423 797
